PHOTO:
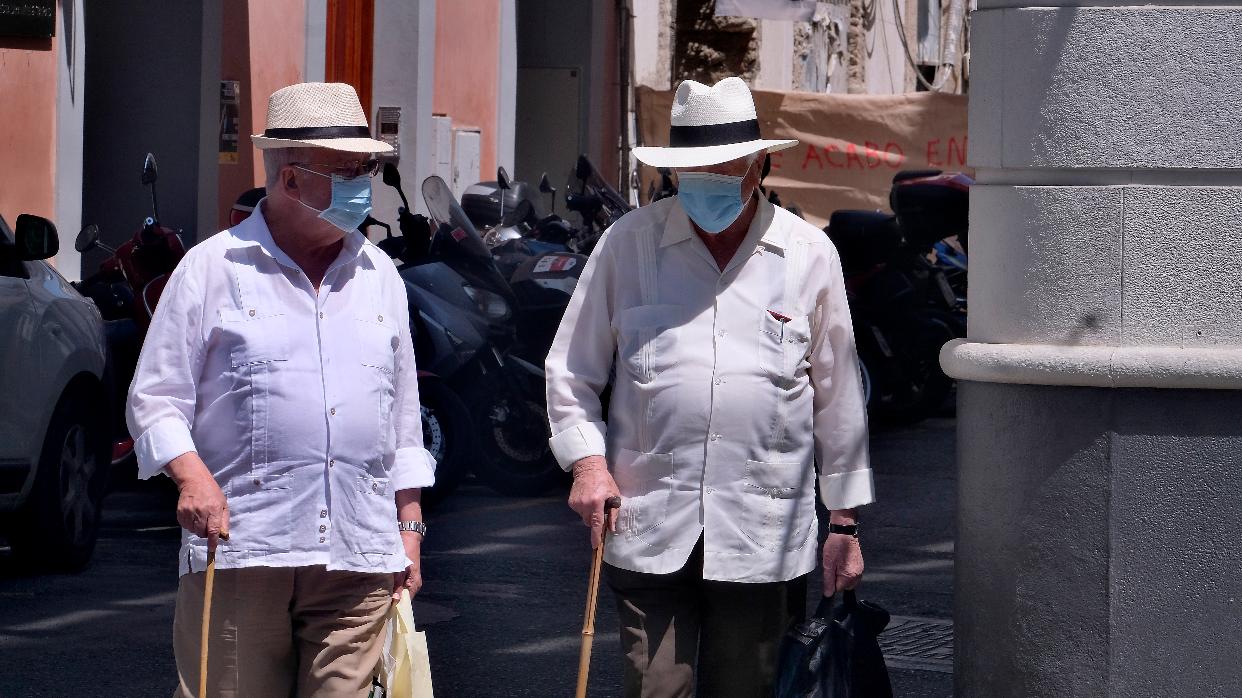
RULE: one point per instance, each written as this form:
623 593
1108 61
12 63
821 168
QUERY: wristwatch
416 526
851 530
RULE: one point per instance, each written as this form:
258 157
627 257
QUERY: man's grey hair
276 158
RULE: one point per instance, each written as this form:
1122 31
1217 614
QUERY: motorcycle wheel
920 386
516 460
446 433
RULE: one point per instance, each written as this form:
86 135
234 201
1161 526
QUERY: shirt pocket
368 523
775 513
260 513
647 338
783 347
376 341
258 344
645 481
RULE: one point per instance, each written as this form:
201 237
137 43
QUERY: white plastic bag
405 671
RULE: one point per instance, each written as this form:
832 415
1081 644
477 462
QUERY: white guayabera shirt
303 404
730 386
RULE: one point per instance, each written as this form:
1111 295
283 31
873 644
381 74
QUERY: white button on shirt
302 403
730 387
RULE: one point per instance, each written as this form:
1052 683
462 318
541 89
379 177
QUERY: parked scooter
903 308
127 288
486 336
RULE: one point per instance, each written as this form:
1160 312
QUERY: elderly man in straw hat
277 388
736 381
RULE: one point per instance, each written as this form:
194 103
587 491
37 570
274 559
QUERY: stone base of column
1099 546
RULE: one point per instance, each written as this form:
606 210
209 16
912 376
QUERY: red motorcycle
127 288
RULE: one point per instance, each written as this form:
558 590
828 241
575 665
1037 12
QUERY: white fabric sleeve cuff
413 467
847 490
578 442
164 441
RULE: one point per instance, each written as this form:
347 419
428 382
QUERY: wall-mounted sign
28 18
388 122
230 91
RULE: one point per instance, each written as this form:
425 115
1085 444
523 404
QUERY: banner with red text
849 148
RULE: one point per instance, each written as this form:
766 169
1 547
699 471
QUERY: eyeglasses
369 168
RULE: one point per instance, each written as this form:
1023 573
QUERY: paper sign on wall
230 91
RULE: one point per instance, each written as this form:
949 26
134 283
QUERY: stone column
1099 547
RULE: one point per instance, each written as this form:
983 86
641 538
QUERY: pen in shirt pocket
781 319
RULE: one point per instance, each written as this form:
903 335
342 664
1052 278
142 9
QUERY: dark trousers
671 623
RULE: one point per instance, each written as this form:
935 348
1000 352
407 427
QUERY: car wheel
59 524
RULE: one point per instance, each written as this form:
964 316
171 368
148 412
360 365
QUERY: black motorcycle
904 310
486 336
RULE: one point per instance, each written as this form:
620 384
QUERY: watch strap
851 530
416 526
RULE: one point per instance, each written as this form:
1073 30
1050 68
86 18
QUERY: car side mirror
150 172
502 178
36 238
87 238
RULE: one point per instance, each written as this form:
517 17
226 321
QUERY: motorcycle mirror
502 178
88 238
392 177
150 172
582 169
545 185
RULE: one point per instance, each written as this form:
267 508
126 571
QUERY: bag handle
849 598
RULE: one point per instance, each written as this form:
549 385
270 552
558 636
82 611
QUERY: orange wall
28 136
277 51
264 65
467 70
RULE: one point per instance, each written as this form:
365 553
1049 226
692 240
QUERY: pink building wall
263 46
468 70
28 137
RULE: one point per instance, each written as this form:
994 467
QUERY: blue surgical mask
713 201
351 201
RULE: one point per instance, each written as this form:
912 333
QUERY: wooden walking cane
202 658
588 625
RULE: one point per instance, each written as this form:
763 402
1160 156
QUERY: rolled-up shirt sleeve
162 396
580 362
840 417
413 465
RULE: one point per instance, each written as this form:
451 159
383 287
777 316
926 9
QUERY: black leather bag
835 653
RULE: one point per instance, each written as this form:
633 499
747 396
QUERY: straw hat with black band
318 115
709 126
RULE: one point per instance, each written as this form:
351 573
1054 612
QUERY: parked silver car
54 450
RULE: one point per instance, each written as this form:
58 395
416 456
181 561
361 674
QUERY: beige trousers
282 631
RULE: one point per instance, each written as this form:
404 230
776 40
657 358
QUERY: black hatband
713 134
316 132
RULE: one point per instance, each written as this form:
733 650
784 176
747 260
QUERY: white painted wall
506 100
314 67
649 33
466 145
886 65
70 84
403 76
775 55
442 147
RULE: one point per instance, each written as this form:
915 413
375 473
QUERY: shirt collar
678 228
253 232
